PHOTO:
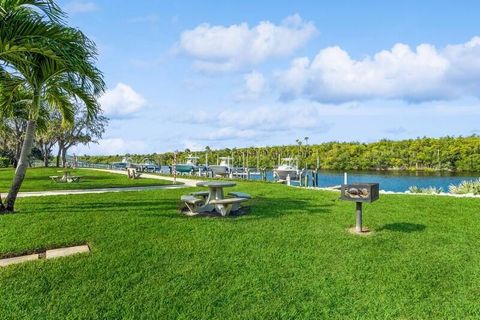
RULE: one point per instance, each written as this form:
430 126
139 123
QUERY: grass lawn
37 179
291 257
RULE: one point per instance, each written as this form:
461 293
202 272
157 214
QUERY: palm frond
44 8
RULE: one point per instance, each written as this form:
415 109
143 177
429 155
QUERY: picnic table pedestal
66 174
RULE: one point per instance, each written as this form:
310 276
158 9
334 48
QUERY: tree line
50 136
432 154
49 86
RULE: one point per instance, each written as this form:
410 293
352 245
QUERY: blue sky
187 74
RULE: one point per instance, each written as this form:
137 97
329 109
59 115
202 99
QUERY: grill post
358 227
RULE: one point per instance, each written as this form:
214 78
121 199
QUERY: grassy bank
37 179
291 257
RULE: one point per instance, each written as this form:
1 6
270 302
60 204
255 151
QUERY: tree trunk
60 146
46 159
64 157
22 166
18 151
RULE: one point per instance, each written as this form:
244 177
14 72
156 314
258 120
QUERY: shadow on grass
403 227
260 208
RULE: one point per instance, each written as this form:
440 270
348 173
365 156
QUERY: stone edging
48 254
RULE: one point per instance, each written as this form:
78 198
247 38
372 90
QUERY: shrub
4 162
469 186
429 190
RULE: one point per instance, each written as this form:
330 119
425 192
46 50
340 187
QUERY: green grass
37 179
291 257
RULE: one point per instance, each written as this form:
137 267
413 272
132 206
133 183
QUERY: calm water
392 181
389 181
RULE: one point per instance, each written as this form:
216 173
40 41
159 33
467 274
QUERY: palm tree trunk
22 166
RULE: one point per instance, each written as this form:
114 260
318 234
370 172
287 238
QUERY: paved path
185 183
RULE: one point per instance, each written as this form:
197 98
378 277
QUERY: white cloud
422 74
254 87
226 48
121 100
111 146
251 122
229 133
193 145
74 7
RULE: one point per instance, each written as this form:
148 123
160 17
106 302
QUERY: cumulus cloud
193 145
229 133
74 7
421 74
227 48
255 122
121 100
254 87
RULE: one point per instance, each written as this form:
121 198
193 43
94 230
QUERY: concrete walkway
89 191
185 183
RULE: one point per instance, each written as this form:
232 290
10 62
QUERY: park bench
192 203
226 205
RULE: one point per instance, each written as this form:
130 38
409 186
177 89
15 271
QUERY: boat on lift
224 168
126 161
287 167
149 165
188 167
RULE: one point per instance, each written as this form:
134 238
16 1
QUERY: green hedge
4 162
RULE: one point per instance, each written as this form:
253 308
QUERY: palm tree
66 73
29 26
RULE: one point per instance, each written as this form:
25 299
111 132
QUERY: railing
81 164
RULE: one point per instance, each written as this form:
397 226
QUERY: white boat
288 167
224 168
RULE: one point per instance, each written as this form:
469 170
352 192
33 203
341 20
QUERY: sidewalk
185 183
91 191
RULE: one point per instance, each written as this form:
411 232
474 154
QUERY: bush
4 162
472 186
429 190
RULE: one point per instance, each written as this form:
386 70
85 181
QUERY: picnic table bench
226 205
73 179
203 194
192 202
55 178
239 194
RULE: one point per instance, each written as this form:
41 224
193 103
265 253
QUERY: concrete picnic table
66 173
215 189
67 177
